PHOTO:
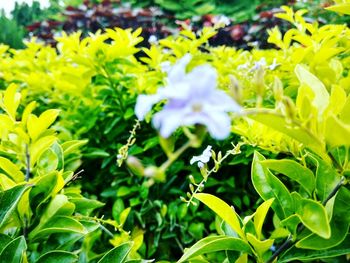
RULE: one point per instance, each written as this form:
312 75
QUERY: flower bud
155 173
135 166
236 89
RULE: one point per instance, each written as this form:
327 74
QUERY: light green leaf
58 224
223 210
12 170
215 243
314 216
343 8
58 256
260 215
11 101
294 171
269 186
39 147
118 254
38 125
8 202
13 252
259 246
337 132
72 146
321 95
279 123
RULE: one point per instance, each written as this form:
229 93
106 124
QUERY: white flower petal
168 120
204 157
202 80
178 71
145 103
223 102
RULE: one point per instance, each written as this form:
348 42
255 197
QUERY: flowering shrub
282 166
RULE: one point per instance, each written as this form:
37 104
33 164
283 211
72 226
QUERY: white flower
192 98
274 65
259 64
153 39
221 20
203 158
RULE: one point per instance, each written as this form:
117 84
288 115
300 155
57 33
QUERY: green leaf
223 210
4 240
339 225
58 224
11 170
8 202
58 206
260 215
215 243
269 186
314 216
321 95
118 254
13 252
326 178
294 171
58 256
296 254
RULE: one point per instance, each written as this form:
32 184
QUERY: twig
27 163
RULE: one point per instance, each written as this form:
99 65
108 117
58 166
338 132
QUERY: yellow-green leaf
260 215
11 170
223 210
321 95
37 125
11 101
340 8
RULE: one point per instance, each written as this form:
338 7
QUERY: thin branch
27 163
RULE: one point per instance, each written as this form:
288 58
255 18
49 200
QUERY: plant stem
27 163
175 155
27 176
289 241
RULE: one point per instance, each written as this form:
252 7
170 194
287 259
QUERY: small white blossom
203 158
192 98
259 64
221 20
153 39
274 65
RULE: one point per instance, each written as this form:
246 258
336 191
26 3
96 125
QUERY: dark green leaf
8 202
58 256
13 252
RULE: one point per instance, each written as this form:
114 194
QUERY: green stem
173 157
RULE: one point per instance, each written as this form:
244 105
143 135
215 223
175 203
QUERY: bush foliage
279 179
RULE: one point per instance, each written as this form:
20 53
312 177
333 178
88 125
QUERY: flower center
197 107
